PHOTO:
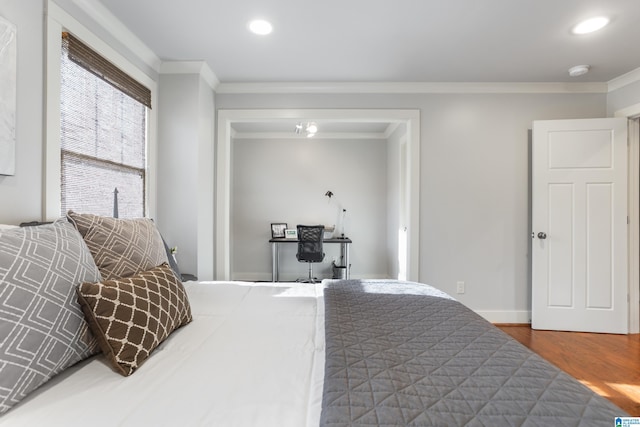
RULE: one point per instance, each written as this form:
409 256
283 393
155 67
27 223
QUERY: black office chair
310 246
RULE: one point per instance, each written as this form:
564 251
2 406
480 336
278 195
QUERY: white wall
285 181
21 194
475 205
474 184
185 170
624 97
205 182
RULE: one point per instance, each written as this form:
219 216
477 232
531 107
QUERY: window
103 135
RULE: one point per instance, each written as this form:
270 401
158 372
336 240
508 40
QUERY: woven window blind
87 58
103 138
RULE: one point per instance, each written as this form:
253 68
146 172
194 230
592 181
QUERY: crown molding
624 80
407 88
96 10
191 67
391 129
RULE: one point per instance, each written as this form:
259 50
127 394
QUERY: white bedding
253 356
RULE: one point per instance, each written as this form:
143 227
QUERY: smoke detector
579 70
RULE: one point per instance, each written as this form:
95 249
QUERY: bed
336 353
400 353
252 356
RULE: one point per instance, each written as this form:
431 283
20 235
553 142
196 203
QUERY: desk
275 256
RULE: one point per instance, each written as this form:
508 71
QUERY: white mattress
253 356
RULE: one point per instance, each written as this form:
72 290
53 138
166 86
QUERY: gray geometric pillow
120 247
42 327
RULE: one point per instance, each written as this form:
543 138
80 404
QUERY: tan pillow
120 247
130 317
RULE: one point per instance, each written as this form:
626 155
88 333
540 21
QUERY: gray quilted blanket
406 354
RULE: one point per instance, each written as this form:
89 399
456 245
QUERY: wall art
8 82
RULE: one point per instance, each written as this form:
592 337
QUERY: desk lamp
342 212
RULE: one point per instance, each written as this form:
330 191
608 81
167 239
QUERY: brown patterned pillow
130 317
120 247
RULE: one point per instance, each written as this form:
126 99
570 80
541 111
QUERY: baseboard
290 277
252 277
506 317
266 277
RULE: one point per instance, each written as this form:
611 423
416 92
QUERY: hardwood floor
608 364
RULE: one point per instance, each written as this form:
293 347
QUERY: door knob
542 235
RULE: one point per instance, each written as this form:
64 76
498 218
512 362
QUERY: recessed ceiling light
260 27
590 25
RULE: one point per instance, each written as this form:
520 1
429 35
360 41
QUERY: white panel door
579 223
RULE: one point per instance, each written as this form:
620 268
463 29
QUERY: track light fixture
310 129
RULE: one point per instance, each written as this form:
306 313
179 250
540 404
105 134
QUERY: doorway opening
410 119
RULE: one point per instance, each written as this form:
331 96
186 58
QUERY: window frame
57 22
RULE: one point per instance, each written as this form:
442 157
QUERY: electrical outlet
460 287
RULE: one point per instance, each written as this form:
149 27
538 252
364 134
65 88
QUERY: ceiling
388 40
377 41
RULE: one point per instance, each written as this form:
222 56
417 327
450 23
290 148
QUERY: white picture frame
277 230
291 233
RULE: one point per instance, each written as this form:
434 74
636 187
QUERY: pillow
120 247
130 317
42 328
33 223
